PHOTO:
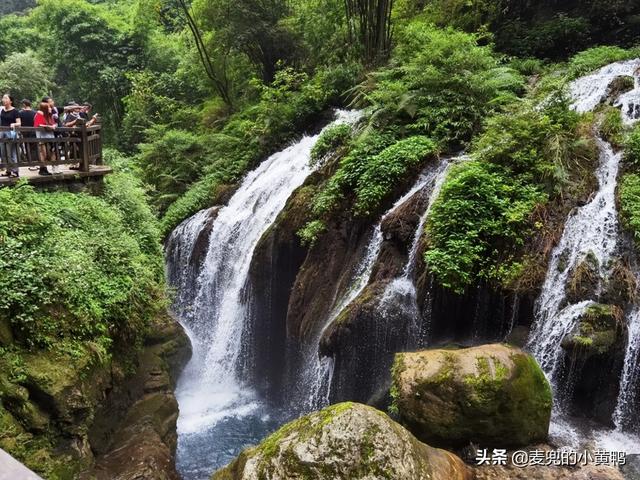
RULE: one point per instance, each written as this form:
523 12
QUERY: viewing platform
76 150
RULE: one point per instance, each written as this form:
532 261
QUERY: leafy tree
253 28
90 49
24 75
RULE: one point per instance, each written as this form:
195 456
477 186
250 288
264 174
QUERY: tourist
72 119
46 125
85 113
27 115
9 120
72 116
54 110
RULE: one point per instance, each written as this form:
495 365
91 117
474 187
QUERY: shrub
170 163
350 170
77 268
531 140
612 127
441 84
387 169
632 146
478 224
594 58
330 140
630 204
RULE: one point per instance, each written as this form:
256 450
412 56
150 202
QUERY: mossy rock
618 86
344 441
598 331
621 286
494 395
584 279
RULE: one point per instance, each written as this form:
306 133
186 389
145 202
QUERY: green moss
612 126
597 331
531 398
498 404
486 385
396 370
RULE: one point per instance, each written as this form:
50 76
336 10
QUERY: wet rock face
274 267
344 441
202 242
363 341
324 275
618 86
584 280
491 395
134 435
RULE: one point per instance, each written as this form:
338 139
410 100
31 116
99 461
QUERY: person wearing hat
72 119
85 114
71 115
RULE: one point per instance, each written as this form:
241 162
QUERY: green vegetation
331 139
597 331
483 217
630 204
56 244
81 280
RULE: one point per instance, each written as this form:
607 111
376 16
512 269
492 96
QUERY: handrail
71 145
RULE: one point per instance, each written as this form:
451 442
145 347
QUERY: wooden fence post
85 148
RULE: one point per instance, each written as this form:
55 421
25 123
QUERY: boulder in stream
347 440
493 395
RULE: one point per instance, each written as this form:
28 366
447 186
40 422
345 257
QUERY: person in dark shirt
9 119
85 114
27 114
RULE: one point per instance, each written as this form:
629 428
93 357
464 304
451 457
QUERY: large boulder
347 440
494 395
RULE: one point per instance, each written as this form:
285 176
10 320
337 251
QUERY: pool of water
205 448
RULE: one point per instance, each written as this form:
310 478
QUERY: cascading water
592 230
625 415
400 296
589 91
211 394
182 271
320 370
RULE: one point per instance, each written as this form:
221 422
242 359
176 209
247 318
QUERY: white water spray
210 388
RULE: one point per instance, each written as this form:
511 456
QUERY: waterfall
589 91
182 271
626 410
215 308
590 230
400 296
319 370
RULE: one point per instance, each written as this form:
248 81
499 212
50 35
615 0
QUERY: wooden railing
80 146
